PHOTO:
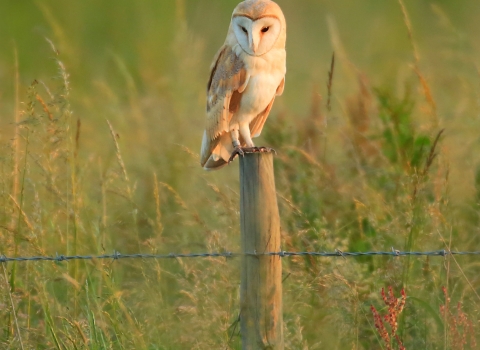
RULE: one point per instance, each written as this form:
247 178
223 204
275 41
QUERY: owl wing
228 80
256 125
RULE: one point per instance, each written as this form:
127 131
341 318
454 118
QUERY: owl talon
242 150
266 149
237 151
260 149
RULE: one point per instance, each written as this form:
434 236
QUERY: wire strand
284 254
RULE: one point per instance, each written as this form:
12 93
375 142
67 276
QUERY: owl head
259 26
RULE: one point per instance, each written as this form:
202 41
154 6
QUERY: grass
99 135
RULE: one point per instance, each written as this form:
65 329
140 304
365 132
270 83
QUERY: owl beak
253 43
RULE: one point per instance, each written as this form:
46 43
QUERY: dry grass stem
117 151
423 82
330 82
12 305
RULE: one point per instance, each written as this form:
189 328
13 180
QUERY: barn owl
247 73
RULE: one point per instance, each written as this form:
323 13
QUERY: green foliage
401 146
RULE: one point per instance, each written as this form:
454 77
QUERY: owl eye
244 30
265 29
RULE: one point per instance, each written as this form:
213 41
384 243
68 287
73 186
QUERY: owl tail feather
214 164
215 154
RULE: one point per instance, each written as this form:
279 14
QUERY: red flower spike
395 307
459 326
380 327
400 344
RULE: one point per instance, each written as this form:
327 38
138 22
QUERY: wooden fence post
261 319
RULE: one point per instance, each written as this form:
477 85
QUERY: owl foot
263 149
242 150
260 149
237 151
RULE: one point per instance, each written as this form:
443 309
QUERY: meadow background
101 118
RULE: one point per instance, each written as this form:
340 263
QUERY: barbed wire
337 253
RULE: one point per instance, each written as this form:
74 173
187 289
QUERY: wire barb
397 252
340 253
